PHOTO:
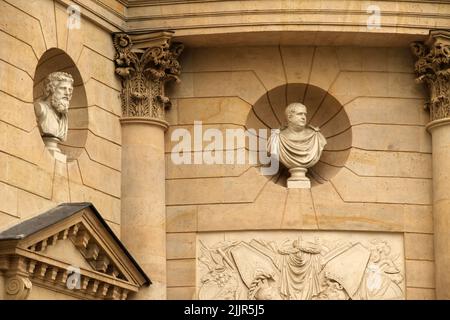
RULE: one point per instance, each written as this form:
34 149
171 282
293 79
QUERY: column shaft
441 206
143 200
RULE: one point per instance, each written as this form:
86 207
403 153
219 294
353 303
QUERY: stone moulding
145 63
433 68
143 120
92 266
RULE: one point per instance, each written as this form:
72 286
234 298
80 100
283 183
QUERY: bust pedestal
298 179
51 143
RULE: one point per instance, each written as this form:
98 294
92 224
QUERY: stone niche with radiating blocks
300 265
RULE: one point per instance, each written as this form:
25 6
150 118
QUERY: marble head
58 89
296 116
52 110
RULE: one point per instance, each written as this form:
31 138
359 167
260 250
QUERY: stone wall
374 176
375 171
31 181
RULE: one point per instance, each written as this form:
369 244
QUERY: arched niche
324 112
54 60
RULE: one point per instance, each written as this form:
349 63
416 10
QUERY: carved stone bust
298 146
51 111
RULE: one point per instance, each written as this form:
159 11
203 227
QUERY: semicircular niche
54 60
324 112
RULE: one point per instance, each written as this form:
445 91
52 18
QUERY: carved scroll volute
17 282
17 287
144 73
433 68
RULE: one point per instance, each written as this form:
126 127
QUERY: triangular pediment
73 240
87 247
71 254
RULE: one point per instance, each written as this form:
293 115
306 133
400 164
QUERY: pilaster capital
433 68
145 62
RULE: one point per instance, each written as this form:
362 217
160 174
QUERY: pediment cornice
71 250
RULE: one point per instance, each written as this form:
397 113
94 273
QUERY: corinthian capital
433 68
145 63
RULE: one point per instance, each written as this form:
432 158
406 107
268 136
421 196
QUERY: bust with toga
298 146
51 111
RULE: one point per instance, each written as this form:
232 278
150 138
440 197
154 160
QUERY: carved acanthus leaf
144 73
433 68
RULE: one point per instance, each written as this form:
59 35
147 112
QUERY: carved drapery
433 68
144 71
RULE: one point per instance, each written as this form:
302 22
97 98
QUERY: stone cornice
433 68
401 19
102 15
145 62
215 17
137 3
67 246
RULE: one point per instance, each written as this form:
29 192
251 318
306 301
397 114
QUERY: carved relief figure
298 146
333 290
263 287
382 277
221 281
51 111
299 270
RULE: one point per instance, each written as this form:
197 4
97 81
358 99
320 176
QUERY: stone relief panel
300 265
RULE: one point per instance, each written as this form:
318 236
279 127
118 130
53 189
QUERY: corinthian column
144 63
433 69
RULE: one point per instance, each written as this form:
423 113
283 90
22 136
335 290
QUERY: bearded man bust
51 111
298 146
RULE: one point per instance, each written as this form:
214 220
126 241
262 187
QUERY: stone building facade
374 76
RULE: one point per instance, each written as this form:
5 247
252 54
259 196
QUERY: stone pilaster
145 62
433 69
